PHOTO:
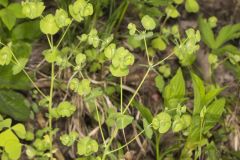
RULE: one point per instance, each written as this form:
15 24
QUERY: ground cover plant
111 79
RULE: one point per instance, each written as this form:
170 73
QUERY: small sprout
61 18
48 25
69 139
148 22
191 6
87 146
212 21
132 28
162 122
32 10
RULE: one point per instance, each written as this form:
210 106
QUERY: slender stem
100 127
158 137
65 32
146 48
121 96
105 153
140 133
158 63
50 111
136 91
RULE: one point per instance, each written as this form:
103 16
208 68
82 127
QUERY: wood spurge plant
111 80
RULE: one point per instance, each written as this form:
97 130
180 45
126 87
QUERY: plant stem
158 137
121 95
100 126
50 111
105 153
135 93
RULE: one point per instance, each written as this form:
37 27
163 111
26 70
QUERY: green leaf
162 122
213 113
4 2
87 146
13 104
199 93
20 130
26 31
5 123
145 112
13 149
123 121
172 12
159 44
148 22
206 33
227 33
22 51
64 109
16 9
8 18
6 136
48 25
51 55
61 18
174 92
148 130
5 55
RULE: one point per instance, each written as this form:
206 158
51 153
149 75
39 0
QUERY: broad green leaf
172 12
159 82
22 51
212 152
8 18
148 22
123 121
227 33
87 146
4 3
61 18
48 25
16 9
6 136
5 55
13 104
13 149
213 114
26 31
9 81
19 130
174 92
158 43
51 55
199 93
228 48
206 33
32 10
64 109
210 95
162 122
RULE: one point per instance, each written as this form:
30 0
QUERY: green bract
186 51
80 59
48 25
148 22
172 12
64 109
5 55
121 59
69 139
162 122
110 51
87 146
51 55
80 9
32 9
82 88
61 18
212 21
93 38
191 6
